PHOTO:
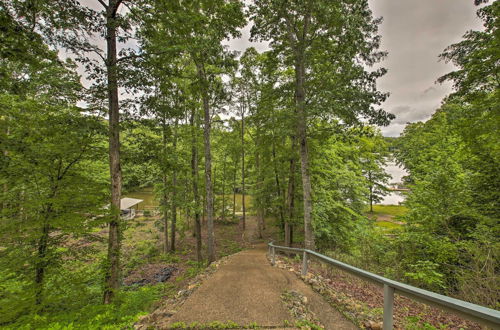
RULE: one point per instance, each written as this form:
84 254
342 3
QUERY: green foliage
425 272
74 301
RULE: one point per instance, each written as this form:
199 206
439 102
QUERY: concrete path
247 290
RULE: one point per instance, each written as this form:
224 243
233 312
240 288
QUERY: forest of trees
96 101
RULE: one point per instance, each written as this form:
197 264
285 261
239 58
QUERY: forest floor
247 292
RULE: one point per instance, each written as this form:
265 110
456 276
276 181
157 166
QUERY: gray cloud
407 114
415 33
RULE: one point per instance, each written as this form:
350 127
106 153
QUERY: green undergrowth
129 305
387 225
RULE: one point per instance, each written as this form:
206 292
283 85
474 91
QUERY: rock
165 274
304 299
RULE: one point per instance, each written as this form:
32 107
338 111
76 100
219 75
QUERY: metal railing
480 314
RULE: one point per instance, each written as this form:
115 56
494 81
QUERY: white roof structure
126 203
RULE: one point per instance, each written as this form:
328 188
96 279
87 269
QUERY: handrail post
388 307
274 256
304 264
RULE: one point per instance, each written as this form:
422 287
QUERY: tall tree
330 80
197 30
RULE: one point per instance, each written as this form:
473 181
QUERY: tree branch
115 8
103 4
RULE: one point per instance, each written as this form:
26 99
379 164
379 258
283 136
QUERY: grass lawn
387 225
392 210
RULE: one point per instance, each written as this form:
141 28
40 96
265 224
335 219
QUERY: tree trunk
304 155
371 191
224 189
112 275
278 186
174 192
291 196
234 193
260 212
5 187
166 246
194 176
243 168
208 164
164 200
41 263
215 189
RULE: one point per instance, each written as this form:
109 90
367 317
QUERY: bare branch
103 4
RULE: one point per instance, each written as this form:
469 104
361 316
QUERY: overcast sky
414 32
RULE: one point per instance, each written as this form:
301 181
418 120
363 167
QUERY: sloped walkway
247 290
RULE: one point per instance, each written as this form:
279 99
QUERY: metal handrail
477 313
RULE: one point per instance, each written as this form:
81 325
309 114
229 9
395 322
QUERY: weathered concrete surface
247 289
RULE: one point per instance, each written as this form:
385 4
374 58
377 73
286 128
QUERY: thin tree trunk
174 192
223 189
5 187
204 210
166 246
371 191
278 186
234 193
260 212
208 165
41 264
112 275
291 196
243 167
164 201
194 175
215 190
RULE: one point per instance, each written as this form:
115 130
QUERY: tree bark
278 186
166 246
174 192
214 182
194 176
243 167
371 191
234 191
304 154
291 196
112 275
208 164
224 188
260 211
164 200
41 264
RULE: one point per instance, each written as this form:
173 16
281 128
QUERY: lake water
147 195
149 200
394 198
397 173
